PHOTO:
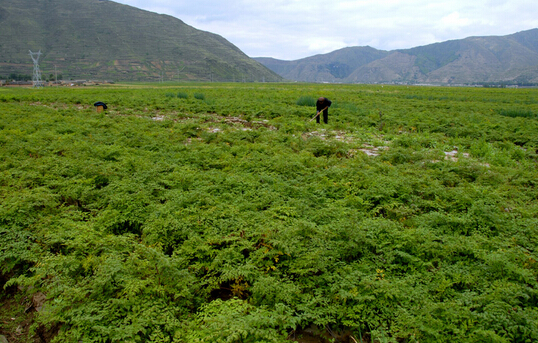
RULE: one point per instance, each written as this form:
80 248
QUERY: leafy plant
237 219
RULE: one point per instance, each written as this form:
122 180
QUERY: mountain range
494 59
97 39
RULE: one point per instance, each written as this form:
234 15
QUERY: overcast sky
294 29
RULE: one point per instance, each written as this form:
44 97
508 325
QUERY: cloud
454 20
292 29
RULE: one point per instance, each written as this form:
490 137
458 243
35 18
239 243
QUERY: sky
295 29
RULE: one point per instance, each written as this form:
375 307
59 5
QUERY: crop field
223 213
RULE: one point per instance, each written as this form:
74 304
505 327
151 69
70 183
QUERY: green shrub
306 101
515 113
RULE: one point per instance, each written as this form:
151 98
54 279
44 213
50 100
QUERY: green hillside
106 40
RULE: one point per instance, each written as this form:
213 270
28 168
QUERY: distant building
20 83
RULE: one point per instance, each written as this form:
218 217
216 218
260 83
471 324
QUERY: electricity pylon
36 78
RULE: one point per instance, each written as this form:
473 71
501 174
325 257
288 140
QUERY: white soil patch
371 150
452 155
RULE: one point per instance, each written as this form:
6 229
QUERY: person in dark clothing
323 104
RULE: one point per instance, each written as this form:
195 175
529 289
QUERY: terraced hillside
93 39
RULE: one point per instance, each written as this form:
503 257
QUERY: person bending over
323 104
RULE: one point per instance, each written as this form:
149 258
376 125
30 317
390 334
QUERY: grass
306 101
515 113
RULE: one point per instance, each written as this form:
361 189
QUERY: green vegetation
17 77
514 112
410 217
182 95
306 101
199 96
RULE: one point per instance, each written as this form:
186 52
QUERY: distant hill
511 59
337 65
99 39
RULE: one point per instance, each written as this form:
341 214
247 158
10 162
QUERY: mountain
494 59
99 39
331 67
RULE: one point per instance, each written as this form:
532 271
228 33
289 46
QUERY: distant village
62 83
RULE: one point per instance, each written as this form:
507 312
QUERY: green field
222 213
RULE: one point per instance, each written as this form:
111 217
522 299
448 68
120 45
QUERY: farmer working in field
323 104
